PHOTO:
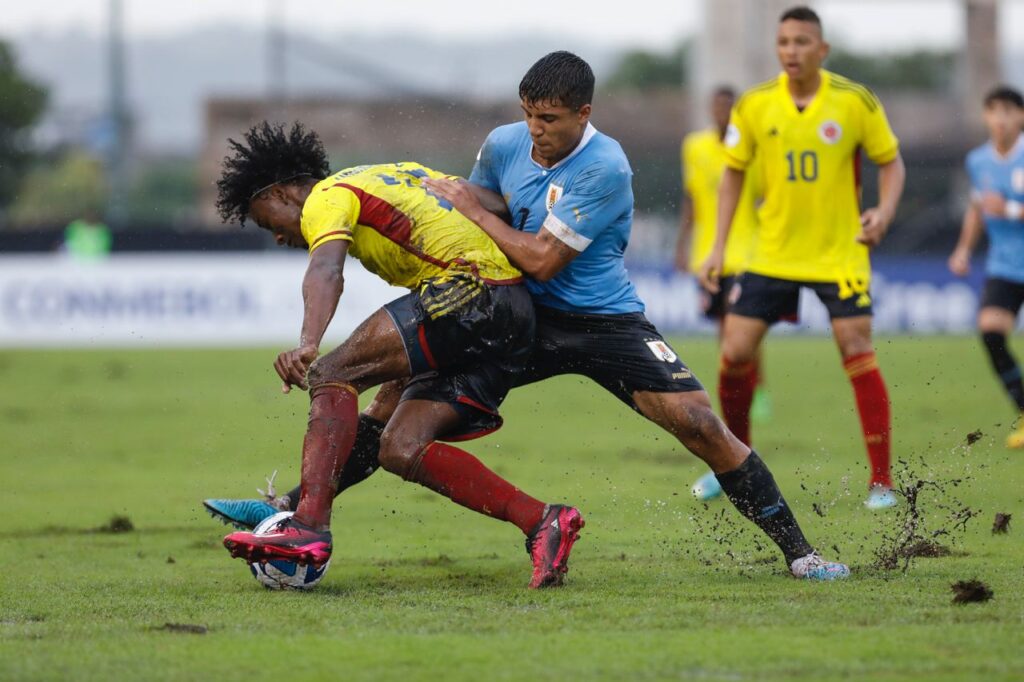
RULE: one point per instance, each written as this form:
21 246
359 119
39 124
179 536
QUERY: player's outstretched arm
728 199
875 221
541 255
970 232
321 289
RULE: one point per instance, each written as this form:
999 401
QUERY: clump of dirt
117 524
1001 524
973 437
966 591
911 534
925 548
185 628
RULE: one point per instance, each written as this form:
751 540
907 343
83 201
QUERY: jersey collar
826 81
1015 150
588 134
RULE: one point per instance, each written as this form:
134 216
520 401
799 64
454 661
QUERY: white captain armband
565 234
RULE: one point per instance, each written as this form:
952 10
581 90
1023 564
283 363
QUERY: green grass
660 588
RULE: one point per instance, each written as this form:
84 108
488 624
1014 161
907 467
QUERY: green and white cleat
880 497
813 567
707 487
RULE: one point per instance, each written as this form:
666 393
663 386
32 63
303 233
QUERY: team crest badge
1017 180
662 351
554 194
830 132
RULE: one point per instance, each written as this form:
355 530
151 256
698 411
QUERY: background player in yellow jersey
703 160
464 330
808 127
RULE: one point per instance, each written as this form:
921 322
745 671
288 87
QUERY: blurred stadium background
112 113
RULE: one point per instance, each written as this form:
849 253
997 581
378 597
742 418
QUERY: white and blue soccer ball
281 574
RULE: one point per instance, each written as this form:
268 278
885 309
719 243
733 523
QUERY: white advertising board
169 300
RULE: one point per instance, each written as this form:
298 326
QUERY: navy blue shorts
772 299
717 305
465 339
623 353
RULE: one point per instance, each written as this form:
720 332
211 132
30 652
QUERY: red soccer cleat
289 539
550 543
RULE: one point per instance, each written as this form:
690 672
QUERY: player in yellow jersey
808 128
703 160
455 341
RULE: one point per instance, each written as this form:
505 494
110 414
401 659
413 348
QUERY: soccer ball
281 574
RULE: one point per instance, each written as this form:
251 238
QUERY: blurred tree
163 191
642 70
920 70
59 192
21 104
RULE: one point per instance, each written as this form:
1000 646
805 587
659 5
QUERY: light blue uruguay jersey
585 200
990 172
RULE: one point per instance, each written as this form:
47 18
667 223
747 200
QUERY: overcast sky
895 24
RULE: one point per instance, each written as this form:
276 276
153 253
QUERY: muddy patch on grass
183 628
1001 524
968 591
928 550
117 524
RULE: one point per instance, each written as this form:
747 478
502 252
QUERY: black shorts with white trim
624 353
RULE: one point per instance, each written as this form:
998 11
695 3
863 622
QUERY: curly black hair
267 155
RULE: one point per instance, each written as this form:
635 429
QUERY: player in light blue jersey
567 189
585 200
996 171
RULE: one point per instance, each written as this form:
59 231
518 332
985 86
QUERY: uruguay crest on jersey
553 195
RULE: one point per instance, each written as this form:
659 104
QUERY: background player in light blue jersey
996 170
567 189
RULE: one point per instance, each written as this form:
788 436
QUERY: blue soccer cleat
242 514
880 497
813 567
707 487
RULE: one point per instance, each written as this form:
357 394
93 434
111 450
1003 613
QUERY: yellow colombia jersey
703 156
398 230
810 162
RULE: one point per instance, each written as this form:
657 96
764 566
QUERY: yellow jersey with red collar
810 160
400 231
703 157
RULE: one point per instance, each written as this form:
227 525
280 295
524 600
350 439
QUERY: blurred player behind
703 160
808 127
996 171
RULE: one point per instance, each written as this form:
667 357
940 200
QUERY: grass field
660 588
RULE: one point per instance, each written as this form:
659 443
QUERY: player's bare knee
330 370
697 425
399 451
318 373
737 352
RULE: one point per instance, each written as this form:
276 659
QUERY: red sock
873 405
333 419
464 479
736 382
